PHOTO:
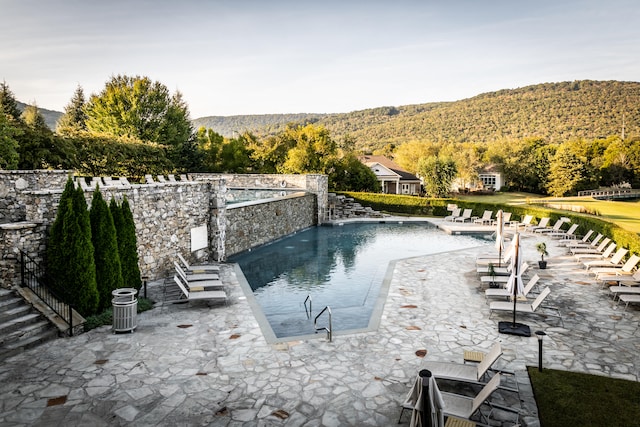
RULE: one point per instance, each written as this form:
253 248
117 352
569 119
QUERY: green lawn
625 214
575 399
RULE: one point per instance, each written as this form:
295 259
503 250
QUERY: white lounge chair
505 293
612 261
556 227
561 234
526 221
521 307
544 222
485 218
605 273
629 298
623 290
465 406
501 279
200 268
506 218
593 244
576 242
590 250
597 256
466 216
196 277
464 372
454 214
199 285
626 281
218 296
148 179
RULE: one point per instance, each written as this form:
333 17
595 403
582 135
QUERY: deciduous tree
437 174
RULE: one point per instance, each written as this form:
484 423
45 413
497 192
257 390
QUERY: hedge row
420 206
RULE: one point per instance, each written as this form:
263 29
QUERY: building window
488 181
405 189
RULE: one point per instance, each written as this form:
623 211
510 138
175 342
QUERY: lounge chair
506 218
464 372
199 285
218 296
557 227
583 241
171 177
605 273
466 216
485 218
460 406
629 298
148 179
524 223
196 277
544 222
626 281
200 268
590 250
454 214
593 244
561 234
612 261
597 256
521 307
502 279
161 179
623 290
504 270
504 293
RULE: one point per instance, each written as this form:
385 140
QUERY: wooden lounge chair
526 308
504 293
201 268
218 296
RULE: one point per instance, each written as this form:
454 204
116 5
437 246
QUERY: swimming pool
342 267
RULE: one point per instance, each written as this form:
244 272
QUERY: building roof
389 164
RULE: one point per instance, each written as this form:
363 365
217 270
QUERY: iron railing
32 276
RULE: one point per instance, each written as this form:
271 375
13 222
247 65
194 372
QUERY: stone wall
255 223
14 184
164 215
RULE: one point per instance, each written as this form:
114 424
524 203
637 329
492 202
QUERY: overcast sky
320 56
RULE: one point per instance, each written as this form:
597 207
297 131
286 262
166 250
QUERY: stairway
21 326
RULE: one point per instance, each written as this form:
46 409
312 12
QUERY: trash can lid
124 292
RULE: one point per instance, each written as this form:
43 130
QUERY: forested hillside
553 111
50 116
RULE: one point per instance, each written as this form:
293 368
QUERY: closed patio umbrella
499 235
516 287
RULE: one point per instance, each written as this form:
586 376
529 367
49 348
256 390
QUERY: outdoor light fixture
540 335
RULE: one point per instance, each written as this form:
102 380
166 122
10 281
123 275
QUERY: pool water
342 267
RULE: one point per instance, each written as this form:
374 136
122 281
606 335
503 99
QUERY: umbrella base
511 328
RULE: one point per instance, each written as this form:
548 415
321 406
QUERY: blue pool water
342 267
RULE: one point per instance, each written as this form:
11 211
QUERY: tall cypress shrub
127 243
105 247
70 263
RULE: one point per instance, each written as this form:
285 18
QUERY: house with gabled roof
393 179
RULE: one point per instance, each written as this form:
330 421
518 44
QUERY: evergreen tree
105 247
8 143
74 118
127 243
70 263
32 117
8 103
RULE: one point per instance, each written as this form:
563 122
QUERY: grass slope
576 399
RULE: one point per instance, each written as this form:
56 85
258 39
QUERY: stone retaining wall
164 215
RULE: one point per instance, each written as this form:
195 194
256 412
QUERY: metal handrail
308 298
31 276
329 329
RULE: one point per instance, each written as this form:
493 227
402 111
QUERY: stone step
34 340
9 302
16 309
18 323
26 332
